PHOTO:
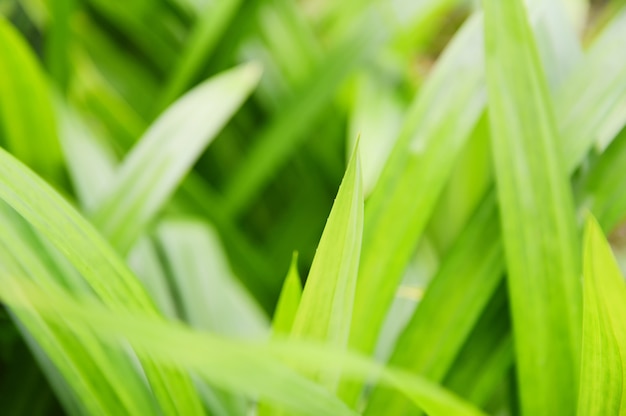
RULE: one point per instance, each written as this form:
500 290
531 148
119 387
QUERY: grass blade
601 189
424 153
325 310
210 297
250 368
470 263
289 300
102 377
286 132
27 122
539 228
155 167
91 164
206 34
444 319
284 316
105 272
603 391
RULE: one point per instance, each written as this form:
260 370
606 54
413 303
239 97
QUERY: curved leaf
98 263
27 122
155 167
255 369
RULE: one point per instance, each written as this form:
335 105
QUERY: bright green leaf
289 300
539 228
445 318
98 263
602 374
254 369
325 310
424 154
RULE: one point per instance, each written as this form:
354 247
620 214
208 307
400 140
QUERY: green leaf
154 168
98 263
288 130
289 300
425 152
487 356
539 228
601 190
602 374
475 264
210 297
592 104
253 369
101 376
27 122
325 310
90 162
284 316
59 42
444 318
203 40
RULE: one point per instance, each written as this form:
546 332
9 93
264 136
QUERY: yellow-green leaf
603 373
289 300
325 310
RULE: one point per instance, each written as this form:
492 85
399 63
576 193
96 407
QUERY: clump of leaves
161 163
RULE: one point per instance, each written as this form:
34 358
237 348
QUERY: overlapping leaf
95 260
470 263
252 369
537 215
603 391
325 310
152 171
33 142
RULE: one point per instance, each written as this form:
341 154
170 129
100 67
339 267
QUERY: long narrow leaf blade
154 168
602 391
540 236
97 261
325 310
27 123
101 376
249 368
471 264
288 301
424 153
211 298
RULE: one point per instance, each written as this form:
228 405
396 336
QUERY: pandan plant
314 207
